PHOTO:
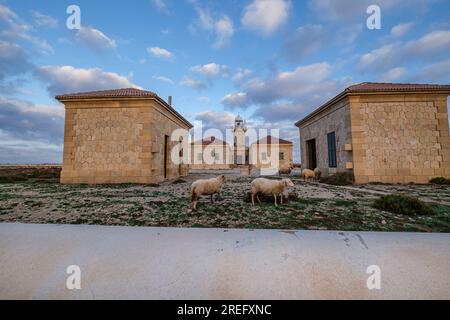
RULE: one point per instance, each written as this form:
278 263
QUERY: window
281 155
217 156
332 150
199 156
264 156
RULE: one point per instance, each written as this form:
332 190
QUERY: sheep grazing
272 187
317 174
206 187
307 174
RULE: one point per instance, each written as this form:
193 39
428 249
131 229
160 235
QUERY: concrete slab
167 263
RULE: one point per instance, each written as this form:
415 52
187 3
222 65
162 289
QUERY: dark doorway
166 156
311 153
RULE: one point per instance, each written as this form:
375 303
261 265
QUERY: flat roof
379 88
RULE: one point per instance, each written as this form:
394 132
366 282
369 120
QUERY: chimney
169 101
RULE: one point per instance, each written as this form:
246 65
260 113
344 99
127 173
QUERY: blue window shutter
332 157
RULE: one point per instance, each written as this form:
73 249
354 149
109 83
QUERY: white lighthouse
240 148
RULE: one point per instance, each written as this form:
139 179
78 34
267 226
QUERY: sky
271 61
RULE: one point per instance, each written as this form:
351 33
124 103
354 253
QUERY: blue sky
272 61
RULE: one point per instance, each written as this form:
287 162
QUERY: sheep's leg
212 198
253 200
257 198
281 199
275 197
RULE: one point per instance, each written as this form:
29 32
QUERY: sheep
307 174
206 187
273 187
317 174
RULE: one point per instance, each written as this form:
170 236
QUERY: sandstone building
120 136
262 157
211 154
382 132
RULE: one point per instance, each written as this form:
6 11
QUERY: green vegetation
404 205
308 206
440 181
339 179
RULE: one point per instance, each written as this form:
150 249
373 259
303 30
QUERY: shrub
440 180
404 205
339 179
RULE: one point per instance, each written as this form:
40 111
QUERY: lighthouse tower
240 149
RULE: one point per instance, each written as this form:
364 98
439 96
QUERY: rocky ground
317 206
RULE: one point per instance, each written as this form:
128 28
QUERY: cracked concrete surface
170 263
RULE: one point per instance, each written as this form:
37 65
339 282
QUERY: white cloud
304 80
401 29
432 46
16 150
163 79
193 83
67 79
223 28
281 112
160 53
434 73
13 60
393 75
286 95
42 20
224 31
95 39
204 99
13 29
353 10
241 75
160 5
211 70
235 100
266 16
215 119
305 41
25 127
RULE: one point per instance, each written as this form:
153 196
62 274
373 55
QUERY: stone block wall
335 119
400 138
116 142
224 162
256 150
163 124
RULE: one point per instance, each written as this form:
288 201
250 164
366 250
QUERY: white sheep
307 174
269 187
206 187
317 174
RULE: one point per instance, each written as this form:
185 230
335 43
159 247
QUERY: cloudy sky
272 61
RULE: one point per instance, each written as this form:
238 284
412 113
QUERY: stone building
381 132
120 136
261 155
211 154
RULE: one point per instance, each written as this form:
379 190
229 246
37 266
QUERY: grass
403 205
313 207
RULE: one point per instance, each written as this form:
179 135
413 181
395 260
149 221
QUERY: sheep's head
221 178
288 183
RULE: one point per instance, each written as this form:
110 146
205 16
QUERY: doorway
311 154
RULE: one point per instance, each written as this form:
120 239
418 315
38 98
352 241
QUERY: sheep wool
206 187
272 187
